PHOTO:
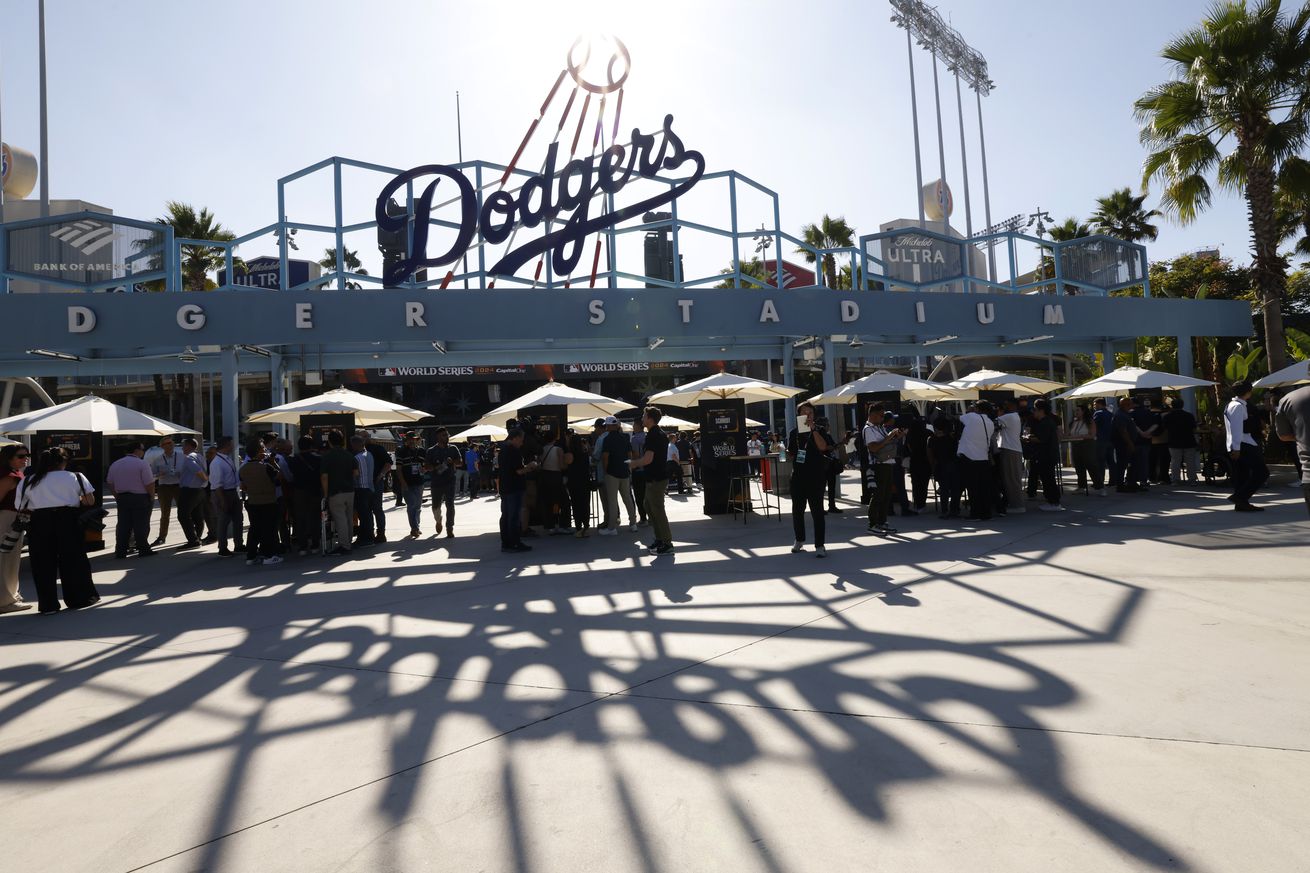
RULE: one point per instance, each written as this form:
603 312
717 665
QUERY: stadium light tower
924 25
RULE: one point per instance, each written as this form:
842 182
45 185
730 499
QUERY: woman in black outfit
56 542
808 454
578 483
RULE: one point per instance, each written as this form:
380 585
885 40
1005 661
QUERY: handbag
10 540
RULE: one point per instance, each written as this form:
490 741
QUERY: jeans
1011 470
639 493
413 504
1251 473
379 510
133 521
615 488
228 510
168 495
1045 470
948 488
445 494
261 540
806 492
1180 458
880 492
306 516
580 498
341 507
190 512
511 504
364 509
56 548
659 519
981 482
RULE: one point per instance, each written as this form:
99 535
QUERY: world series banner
723 436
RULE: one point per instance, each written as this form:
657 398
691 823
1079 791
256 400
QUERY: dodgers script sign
564 196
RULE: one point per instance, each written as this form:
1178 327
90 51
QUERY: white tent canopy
995 380
908 387
585 425
724 386
480 431
1126 380
368 411
1296 374
581 404
94 414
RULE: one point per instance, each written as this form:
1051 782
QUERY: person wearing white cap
614 457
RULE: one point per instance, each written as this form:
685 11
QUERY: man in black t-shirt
512 483
654 460
442 459
1180 425
807 451
410 459
1044 438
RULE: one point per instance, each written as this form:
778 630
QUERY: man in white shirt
1009 429
1249 469
976 459
223 482
880 439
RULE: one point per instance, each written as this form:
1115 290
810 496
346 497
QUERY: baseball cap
600 422
609 419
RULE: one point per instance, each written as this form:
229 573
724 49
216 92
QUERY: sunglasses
24 455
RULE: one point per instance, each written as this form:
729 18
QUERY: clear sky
210 103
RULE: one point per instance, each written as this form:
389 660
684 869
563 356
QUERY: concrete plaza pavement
1121 687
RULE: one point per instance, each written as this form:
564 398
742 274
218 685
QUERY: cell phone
802 424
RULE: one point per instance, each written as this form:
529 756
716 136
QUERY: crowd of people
327 494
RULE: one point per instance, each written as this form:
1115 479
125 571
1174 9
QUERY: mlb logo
572 368
389 371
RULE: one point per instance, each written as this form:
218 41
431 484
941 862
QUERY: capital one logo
88 237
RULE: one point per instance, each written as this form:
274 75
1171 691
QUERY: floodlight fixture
941 339
655 342
59 356
256 350
1031 339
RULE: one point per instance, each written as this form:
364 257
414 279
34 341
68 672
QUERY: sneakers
1051 507
821 551
881 529
662 549
415 534
1247 507
250 562
608 532
798 547
632 526
271 560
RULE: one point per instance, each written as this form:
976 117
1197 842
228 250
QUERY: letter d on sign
81 320
850 310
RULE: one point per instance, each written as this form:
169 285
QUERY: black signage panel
318 424
723 436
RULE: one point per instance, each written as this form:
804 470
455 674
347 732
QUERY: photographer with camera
882 441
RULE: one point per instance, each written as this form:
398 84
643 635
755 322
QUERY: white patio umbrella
908 387
1296 374
4 442
581 404
1126 380
94 414
480 431
995 380
724 386
368 411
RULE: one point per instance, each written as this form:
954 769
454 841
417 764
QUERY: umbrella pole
231 396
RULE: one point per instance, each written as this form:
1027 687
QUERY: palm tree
830 233
1121 215
1070 228
197 261
753 275
352 264
1239 78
